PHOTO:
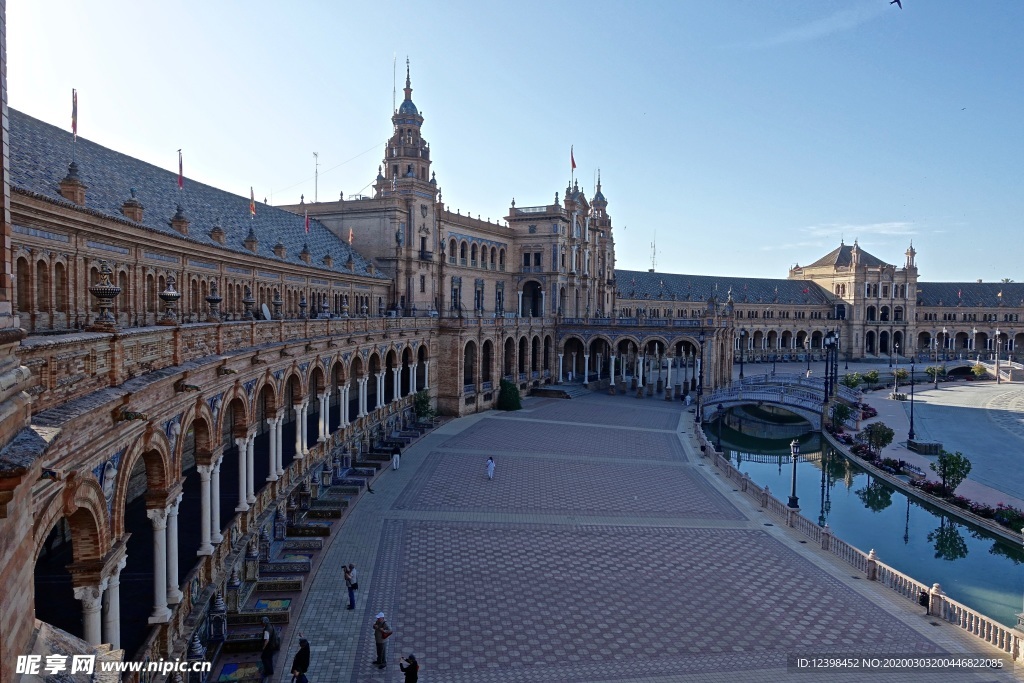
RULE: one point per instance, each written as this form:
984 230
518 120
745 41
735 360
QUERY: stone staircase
561 391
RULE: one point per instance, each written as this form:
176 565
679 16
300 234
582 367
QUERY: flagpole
74 124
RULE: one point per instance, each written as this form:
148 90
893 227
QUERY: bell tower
406 154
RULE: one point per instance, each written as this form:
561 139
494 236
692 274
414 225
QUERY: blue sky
745 136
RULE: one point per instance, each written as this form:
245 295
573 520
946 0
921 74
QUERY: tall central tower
406 180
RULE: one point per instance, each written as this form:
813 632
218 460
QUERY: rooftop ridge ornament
105 291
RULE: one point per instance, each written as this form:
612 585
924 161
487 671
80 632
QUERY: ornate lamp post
794 454
910 435
998 344
807 350
974 337
700 376
743 340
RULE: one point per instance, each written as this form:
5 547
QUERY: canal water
973 566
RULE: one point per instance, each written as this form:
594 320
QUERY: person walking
352 583
410 667
381 633
396 457
267 653
300 663
490 468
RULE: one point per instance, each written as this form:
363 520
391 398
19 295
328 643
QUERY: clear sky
746 135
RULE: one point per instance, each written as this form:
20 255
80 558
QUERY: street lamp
896 372
999 343
974 337
700 375
794 453
774 356
743 340
945 342
807 352
911 434
721 414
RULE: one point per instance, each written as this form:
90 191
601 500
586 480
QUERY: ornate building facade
177 363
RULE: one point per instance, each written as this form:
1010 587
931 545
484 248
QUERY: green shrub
421 405
508 396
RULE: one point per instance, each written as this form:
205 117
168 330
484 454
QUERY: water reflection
973 566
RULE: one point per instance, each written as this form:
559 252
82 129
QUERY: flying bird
897 3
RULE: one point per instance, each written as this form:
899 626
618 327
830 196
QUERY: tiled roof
841 256
638 284
993 294
40 154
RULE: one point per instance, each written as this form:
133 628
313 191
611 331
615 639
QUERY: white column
250 469
572 368
216 536
112 612
280 442
322 421
641 362
378 379
600 357
586 367
520 310
543 310
174 595
92 604
342 406
397 372
298 430
304 431
360 385
611 368
272 438
559 368
668 380
412 378
205 547
242 505
426 374
161 615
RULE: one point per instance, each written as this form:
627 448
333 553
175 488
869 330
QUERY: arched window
42 287
60 287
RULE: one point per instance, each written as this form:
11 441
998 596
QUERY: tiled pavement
600 552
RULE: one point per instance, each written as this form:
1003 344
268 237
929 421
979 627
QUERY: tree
978 370
1006 279
871 377
934 371
877 436
876 496
421 405
901 374
508 396
840 414
851 380
952 468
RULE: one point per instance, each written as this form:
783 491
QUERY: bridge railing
813 384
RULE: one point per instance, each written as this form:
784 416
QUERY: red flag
74 113
181 176
307 221
252 203
807 290
572 158
350 237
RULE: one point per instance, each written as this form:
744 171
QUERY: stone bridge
801 395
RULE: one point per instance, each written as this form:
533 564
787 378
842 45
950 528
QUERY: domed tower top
407 154
910 256
407 107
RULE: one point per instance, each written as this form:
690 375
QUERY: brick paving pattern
565 439
456 481
598 553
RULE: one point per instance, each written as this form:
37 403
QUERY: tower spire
408 81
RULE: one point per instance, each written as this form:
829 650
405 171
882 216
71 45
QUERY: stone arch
487 361
82 503
236 393
564 340
650 341
625 338
523 359
198 414
266 381
293 371
153 449
469 361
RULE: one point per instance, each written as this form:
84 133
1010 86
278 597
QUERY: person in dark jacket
410 667
300 663
267 653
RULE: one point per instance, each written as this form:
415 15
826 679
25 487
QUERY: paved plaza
603 550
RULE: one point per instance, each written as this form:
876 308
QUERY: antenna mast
316 175
654 252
